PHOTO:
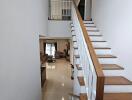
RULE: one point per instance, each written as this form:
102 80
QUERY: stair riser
108 60
87 21
75 73
99 44
74 38
77 60
73 33
80 73
95 38
89 25
94 33
71 25
75 45
83 89
76 52
91 28
76 86
102 51
113 72
118 88
72 28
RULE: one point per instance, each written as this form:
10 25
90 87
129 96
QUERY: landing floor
58 83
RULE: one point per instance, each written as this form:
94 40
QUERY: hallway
58 83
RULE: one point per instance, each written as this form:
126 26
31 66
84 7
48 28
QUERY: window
60 9
50 49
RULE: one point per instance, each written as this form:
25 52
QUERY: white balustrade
89 72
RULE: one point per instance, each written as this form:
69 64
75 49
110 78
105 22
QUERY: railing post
100 88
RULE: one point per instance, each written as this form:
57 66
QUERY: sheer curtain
50 49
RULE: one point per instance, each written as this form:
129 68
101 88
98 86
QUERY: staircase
97 73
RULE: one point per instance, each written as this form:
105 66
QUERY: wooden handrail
97 65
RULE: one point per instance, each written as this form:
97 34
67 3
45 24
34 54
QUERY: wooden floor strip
102 48
88 23
106 56
90 26
96 35
117 96
111 67
93 30
98 41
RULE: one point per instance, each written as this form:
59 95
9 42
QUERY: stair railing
92 69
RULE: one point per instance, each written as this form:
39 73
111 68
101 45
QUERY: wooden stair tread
117 96
111 67
98 41
83 96
106 56
88 23
90 19
90 26
81 81
102 48
78 67
95 35
117 80
93 30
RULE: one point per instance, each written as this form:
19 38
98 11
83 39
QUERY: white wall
20 21
114 19
43 14
59 28
41 46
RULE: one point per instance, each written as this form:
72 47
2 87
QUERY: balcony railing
60 9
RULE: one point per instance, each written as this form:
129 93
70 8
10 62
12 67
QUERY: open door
81 8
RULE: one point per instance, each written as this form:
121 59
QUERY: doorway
81 8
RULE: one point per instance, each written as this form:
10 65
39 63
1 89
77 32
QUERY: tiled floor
58 83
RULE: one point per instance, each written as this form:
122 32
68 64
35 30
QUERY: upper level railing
60 9
92 69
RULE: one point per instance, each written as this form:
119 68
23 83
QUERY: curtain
44 48
55 46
